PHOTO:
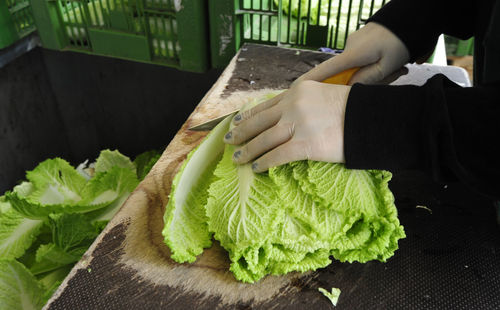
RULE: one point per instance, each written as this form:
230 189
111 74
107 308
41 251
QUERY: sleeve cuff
413 23
383 127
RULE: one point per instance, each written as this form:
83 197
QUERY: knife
341 78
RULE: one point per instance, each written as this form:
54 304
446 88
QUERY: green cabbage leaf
49 221
186 228
54 186
19 289
109 159
17 233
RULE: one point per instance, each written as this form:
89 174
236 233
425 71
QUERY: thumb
374 74
331 67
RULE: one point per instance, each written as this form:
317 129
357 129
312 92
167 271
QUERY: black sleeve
418 23
443 129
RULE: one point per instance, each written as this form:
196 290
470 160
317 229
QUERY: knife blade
341 78
209 125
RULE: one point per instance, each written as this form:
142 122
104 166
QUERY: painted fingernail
237 154
254 166
237 117
228 135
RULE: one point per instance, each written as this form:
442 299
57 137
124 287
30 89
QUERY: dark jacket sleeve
448 131
418 23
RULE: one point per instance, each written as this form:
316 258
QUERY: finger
253 126
244 115
368 75
283 154
334 65
264 142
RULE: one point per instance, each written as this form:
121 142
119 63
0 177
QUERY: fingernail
254 166
228 135
237 154
237 117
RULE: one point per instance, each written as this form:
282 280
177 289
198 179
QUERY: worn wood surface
128 266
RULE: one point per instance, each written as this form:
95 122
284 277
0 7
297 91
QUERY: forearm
437 128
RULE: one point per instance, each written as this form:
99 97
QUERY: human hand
379 53
304 122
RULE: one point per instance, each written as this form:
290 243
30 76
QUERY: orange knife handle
341 78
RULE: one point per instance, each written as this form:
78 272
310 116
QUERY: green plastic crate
457 47
166 32
16 21
293 23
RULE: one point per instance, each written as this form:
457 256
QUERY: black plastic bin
73 105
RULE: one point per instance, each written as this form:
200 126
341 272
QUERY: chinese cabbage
292 218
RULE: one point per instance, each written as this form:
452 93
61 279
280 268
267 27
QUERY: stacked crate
16 21
166 32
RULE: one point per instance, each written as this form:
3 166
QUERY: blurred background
78 76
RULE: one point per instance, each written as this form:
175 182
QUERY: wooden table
128 266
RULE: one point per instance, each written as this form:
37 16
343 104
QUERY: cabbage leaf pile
294 217
48 221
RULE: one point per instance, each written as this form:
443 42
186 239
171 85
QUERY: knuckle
255 120
305 84
288 128
291 130
246 114
258 118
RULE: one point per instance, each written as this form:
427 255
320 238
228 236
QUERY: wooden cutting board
128 266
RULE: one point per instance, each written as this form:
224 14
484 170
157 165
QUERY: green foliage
109 159
19 289
49 221
17 233
145 161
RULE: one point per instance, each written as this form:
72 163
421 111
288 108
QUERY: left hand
377 51
304 122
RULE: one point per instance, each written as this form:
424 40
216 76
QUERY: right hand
378 52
